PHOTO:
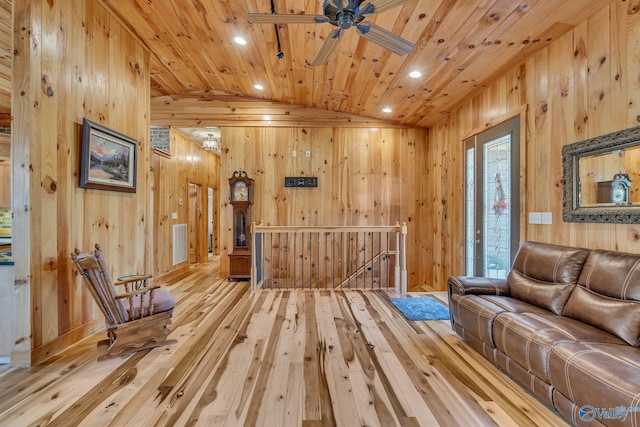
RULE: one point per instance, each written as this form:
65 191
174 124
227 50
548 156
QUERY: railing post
254 255
396 270
403 260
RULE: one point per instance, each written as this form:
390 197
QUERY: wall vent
179 243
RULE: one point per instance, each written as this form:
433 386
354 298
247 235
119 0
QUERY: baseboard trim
40 354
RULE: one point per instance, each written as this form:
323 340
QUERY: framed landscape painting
108 159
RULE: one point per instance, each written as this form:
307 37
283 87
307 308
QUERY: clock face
240 192
618 194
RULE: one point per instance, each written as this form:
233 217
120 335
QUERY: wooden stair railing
290 257
362 271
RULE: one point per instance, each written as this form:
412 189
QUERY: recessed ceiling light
266 118
258 86
415 74
240 40
386 110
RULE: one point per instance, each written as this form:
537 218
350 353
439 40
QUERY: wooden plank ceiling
201 77
460 47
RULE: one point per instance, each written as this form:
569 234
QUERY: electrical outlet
546 218
294 153
174 215
308 153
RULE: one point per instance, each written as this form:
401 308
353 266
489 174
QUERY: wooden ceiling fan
344 14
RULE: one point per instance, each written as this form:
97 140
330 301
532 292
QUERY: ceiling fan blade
290 18
382 5
367 9
385 38
327 48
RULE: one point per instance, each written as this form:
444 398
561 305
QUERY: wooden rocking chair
136 319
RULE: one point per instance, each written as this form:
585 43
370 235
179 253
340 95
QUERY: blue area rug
421 308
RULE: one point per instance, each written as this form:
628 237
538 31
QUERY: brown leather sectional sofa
565 324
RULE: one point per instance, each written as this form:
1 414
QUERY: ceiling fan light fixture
211 144
342 14
345 19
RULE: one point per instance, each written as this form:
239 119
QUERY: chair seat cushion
162 301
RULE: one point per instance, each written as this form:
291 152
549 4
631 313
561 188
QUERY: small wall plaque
301 181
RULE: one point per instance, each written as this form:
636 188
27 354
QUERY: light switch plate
546 218
174 215
535 218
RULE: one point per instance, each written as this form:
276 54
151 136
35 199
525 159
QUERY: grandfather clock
241 195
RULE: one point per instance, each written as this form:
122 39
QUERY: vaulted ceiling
200 76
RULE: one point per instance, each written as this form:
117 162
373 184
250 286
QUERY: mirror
601 178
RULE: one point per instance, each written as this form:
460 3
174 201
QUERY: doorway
196 225
492 200
210 220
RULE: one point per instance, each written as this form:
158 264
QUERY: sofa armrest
464 285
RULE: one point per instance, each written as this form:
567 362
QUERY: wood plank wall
583 85
365 177
72 60
6 57
188 163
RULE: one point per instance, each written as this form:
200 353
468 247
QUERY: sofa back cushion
608 295
619 318
614 274
544 275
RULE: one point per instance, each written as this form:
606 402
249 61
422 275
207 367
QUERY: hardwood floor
274 358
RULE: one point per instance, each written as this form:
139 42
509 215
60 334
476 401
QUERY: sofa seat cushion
528 337
598 376
514 305
475 313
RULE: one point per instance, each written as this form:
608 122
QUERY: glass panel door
492 215
470 204
496 221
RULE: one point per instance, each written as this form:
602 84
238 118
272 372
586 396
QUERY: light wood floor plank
275 358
